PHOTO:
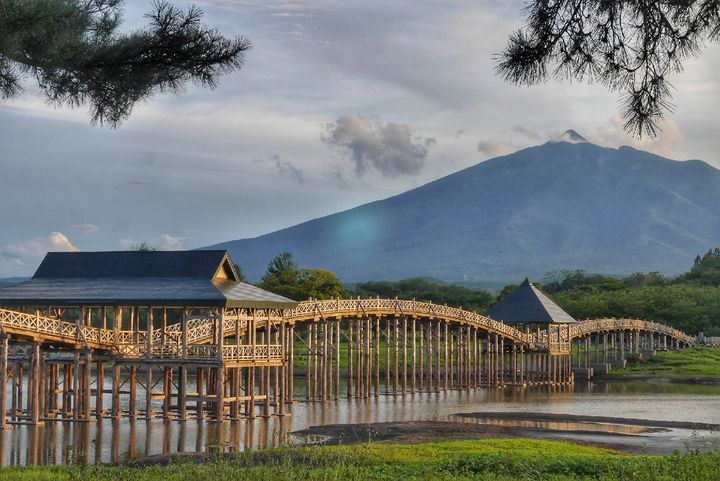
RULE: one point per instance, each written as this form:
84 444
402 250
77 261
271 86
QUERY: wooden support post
308 364
87 369
404 356
350 373
430 356
115 413
388 342
99 387
220 394
377 356
199 404
4 349
291 367
167 392
446 359
413 382
148 391
133 392
76 387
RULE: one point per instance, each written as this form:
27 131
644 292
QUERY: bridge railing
362 307
591 326
33 323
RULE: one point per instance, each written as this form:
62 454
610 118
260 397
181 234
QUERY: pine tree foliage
632 46
77 53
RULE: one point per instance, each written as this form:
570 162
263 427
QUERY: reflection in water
560 425
119 441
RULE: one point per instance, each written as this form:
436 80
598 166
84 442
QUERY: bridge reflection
125 440
119 442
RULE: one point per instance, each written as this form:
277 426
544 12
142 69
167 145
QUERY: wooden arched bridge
244 362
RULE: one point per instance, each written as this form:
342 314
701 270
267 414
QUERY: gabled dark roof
130 264
178 279
527 305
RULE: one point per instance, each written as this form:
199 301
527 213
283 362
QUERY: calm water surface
108 442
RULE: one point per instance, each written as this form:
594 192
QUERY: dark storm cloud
389 148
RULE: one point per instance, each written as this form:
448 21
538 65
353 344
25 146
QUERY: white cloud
494 148
167 242
22 258
669 143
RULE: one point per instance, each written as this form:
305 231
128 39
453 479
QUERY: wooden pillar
337 359
309 363
4 348
76 387
413 381
115 413
199 404
167 392
220 394
396 351
133 392
291 367
404 356
87 369
377 356
33 404
446 359
99 387
350 352
148 391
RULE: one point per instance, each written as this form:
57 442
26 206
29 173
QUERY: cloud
288 170
391 149
164 242
86 228
22 258
531 134
669 143
459 133
494 148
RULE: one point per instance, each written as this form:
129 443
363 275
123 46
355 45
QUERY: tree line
690 301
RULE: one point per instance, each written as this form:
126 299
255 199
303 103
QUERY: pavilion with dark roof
149 314
148 278
528 306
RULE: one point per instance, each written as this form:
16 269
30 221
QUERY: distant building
528 307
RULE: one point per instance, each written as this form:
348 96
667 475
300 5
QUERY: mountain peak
571 136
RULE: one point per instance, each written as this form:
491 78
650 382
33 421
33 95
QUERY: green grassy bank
501 459
701 364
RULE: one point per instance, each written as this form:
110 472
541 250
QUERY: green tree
319 284
628 45
426 289
79 55
284 277
706 270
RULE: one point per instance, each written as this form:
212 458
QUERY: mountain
8 281
560 205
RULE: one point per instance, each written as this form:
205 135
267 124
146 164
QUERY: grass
493 459
695 363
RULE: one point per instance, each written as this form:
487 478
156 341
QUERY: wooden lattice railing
375 306
592 326
200 331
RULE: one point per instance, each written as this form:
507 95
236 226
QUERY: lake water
108 442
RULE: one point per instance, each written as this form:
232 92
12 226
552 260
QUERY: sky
337 104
